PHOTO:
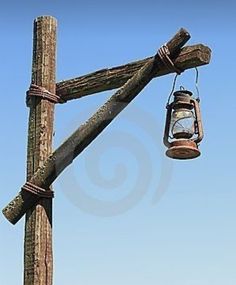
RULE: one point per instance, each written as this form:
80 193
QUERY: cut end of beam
46 18
178 41
183 30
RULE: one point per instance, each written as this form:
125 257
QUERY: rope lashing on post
42 92
164 55
38 191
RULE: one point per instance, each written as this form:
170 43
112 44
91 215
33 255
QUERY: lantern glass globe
183 124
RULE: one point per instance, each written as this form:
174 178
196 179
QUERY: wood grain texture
111 78
38 258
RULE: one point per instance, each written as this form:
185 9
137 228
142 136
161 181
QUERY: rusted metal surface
183 149
198 121
182 99
167 126
183 145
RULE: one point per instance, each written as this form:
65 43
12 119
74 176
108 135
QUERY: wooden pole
38 259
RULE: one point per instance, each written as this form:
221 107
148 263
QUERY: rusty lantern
183 129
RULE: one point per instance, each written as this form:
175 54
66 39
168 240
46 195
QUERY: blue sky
123 212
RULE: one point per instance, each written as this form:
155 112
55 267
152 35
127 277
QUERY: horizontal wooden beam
107 79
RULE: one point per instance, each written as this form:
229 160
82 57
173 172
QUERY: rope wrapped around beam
164 55
43 93
38 191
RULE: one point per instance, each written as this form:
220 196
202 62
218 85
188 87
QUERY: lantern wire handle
182 88
172 90
196 85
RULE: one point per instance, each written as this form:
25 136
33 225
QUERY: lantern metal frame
183 147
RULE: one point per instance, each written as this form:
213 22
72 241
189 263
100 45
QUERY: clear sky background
123 212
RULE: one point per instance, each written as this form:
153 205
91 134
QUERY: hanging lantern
183 129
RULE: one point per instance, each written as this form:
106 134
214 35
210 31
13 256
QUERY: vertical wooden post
38 259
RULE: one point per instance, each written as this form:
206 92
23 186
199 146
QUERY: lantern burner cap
182 99
183 149
183 93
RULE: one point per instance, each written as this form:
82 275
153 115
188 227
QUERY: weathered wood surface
38 258
86 133
107 79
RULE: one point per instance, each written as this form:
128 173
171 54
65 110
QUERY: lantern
183 129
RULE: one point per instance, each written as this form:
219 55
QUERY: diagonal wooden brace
87 132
